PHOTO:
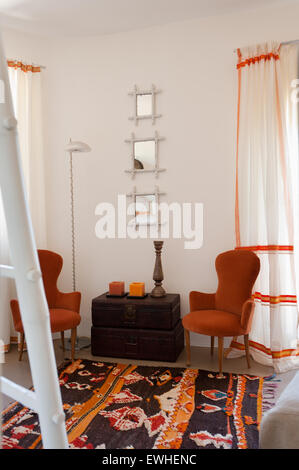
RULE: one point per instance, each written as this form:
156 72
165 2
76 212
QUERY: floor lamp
74 148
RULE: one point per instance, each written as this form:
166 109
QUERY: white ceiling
96 17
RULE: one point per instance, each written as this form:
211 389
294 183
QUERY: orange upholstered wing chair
64 308
229 311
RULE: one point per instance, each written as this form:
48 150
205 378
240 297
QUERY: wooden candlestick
158 290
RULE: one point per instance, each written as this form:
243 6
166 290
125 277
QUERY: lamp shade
77 147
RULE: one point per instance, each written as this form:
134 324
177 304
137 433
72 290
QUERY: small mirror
145 210
145 155
145 207
144 105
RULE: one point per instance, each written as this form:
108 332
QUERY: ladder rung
18 393
7 271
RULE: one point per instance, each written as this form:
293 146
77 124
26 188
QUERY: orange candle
116 288
137 289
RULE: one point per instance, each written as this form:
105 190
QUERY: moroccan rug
120 406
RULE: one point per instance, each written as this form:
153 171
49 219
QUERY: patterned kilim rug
120 406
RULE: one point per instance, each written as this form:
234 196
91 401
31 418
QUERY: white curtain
267 198
25 81
5 287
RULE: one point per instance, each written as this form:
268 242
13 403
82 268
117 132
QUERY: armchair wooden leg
246 342
21 346
73 342
212 345
62 340
188 349
220 355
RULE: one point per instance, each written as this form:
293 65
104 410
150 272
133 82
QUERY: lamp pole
75 147
72 222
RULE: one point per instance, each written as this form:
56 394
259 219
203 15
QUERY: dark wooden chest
147 328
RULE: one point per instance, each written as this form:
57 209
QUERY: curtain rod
286 43
34 65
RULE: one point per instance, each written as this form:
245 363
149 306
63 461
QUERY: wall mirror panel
145 210
145 155
144 104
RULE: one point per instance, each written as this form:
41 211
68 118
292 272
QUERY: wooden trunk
157 345
148 313
148 328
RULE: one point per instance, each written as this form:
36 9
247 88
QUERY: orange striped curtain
267 198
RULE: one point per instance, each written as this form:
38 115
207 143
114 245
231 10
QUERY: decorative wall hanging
144 104
146 207
145 154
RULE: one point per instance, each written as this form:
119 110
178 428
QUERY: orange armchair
64 308
230 310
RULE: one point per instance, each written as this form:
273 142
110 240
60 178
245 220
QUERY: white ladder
46 398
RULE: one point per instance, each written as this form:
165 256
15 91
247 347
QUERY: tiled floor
201 359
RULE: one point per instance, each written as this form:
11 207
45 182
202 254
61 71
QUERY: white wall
87 84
